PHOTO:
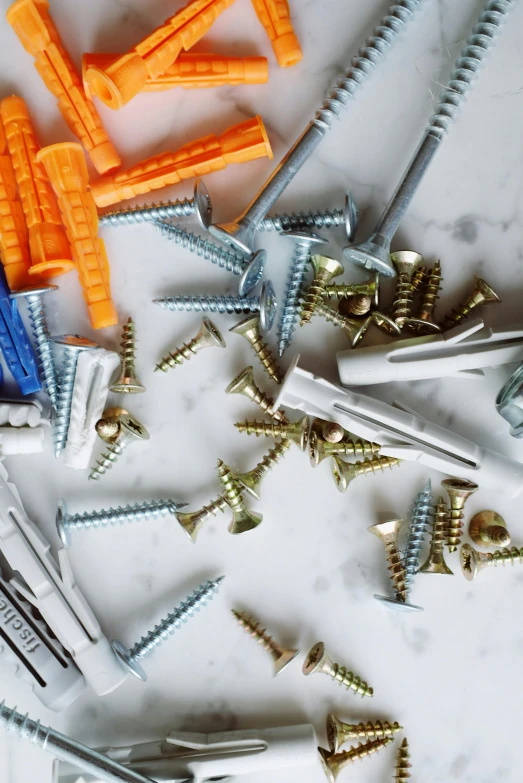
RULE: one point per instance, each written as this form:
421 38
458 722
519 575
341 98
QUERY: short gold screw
435 562
325 270
193 521
353 329
424 322
481 294
472 561
345 472
388 532
130 431
245 384
341 291
207 337
487 528
252 480
405 263
320 449
402 763
334 762
250 329
243 520
459 490
298 432
281 656
319 662
338 733
127 382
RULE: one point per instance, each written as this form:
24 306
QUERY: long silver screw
240 234
33 296
374 252
199 205
73 345
66 749
326 218
304 242
421 519
121 515
130 659
129 430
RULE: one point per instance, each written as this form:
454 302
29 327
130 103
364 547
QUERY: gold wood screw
418 278
388 532
250 329
472 561
298 432
332 432
320 449
385 323
345 472
252 480
354 330
369 287
281 656
338 733
325 270
207 337
487 528
319 662
130 431
127 382
405 262
245 384
481 294
435 562
424 322
243 520
402 763
458 491
355 306
193 521
334 762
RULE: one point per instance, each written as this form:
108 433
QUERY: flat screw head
133 428
351 216
268 306
252 273
316 658
248 328
75 342
128 663
459 490
387 324
33 290
209 335
483 293
304 237
342 472
244 381
488 528
243 520
406 261
61 527
330 266
127 384
387 531
469 561
202 204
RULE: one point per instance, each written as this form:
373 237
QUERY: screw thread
121 515
418 278
331 315
497 535
175 619
269 429
458 314
148 213
253 629
455 519
298 221
472 56
65 400
128 347
371 730
234 496
44 350
350 447
271 459
106 460
439 525
210 304
22 726
293 292
266 403
373 465
350 680
361 751
397 571
212 509
313 297
340 291
422 516
402 763
506 555
402 305
363 64
268 361
185 352
430 293
202 247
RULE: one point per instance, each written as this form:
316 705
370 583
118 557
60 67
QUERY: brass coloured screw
355 306
435 562
319 662
338 733
127 382
472 561
131 431
458 491
424 322
354 329
320 449
250 329
298 432
487 528
208 337
252 480
369 287
193 521
243 520
345 472
402 763
481 294
245 384
385 323
405 263
332 432
325 270
388 532
334 762
281 656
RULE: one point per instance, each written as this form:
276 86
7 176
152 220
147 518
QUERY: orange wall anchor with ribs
116 84
192 71
50 251
238 144
67 171
275 16
31 21
14 247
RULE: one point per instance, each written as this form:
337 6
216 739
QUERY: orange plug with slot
31 21
243 142
67 171
275 16
192 71
50 251
120 81
14 246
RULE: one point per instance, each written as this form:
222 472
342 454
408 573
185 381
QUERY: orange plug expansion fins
14 247
67 171
116 84
275 16
238 144
31 21
192 71
50 251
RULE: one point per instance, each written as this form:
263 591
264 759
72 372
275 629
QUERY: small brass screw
208 337
459 490
319 662
127 382
345 472
297 432
487 528
388 532
472 561
193 521
325 270
405 263
243 520
402 763
354 329
341 291
334 762
245 384
252 480
435 562
355 306
338 733
250 329
281 656
481 294
131 431
320 449
424 322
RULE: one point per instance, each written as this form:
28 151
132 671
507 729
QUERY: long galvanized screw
240 233
250 330
130 430
472 561
338 732
374 252
281 656
298 432
130 658
333 763
481 294
66 749
435 562
243 520
127 382
325 218
345 472
388 532
73 345
325 270
33 296
319 662
208 337
421 518
303 244
199 205
245 384
121 515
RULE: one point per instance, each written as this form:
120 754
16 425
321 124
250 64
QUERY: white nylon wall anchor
21 440
21 413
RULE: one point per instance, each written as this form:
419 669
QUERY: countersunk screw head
387 324
243 381
202 204
315 659
61 517
268 306
133 428
75 342
406 261
470 562
351 216
398 606
33 290
252 273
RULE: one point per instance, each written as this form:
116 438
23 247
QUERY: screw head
480 524
387 324
130 665
386 531
252 273
210 335
202 204
61 516
33 290
330 265
406 261
127 384
468 558
133 427
315 658
305 236
268 306
351 216
398 606
372 255
74 341
483 293
242 381
420 325
283 661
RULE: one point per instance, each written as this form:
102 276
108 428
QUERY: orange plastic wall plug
31 21
275 16
192 71
50 251
116 84
14 246
67 171
238 144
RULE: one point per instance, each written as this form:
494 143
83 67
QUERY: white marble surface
450 674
